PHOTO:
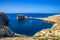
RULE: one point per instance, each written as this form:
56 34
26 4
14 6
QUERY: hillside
54 32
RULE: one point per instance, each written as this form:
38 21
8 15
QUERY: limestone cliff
55 19
54 32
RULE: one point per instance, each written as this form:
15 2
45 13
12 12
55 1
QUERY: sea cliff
50 34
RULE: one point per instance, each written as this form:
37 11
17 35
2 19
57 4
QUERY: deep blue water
30 26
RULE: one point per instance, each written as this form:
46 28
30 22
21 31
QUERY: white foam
30 17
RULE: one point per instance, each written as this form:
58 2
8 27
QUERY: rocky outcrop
21 17
50 34
3 19
6 31
55 19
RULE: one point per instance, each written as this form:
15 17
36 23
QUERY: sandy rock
18 38
54 32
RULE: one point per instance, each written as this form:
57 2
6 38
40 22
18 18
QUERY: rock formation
4 29
50 34
3 19
21 17
55 19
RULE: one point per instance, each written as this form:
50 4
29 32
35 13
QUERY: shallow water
28 27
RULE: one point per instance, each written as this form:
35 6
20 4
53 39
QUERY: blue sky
30 6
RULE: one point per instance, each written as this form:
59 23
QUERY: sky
30 6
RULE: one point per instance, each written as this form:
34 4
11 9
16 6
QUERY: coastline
47 34
54 32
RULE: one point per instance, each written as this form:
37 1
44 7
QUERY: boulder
3 19
21 17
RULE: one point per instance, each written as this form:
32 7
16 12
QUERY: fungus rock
22 17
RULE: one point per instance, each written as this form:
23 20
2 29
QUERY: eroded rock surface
4 29
50 34
21 17
3 19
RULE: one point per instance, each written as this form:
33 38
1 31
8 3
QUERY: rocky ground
17 38
52 33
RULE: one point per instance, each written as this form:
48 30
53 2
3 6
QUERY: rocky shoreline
52 33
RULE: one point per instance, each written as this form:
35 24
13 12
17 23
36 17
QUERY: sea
30 26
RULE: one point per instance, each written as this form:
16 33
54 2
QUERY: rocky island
21 17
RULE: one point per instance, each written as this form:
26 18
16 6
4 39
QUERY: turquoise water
30 26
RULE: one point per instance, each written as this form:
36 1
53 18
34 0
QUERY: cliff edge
50 34
55 19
